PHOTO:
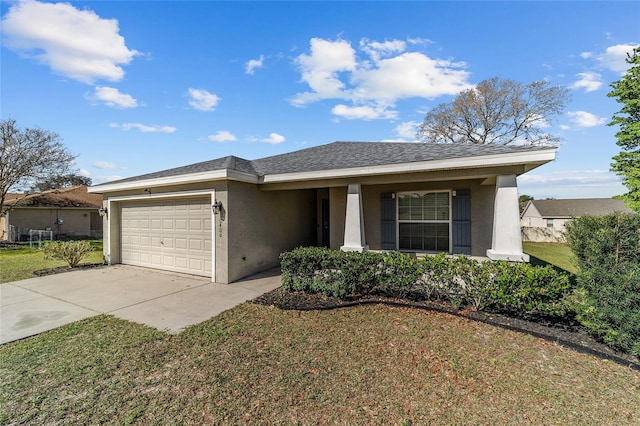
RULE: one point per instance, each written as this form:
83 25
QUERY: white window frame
449 220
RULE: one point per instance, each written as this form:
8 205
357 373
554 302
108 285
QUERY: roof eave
530 159
224 174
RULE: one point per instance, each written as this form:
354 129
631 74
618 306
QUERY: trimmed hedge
515 288
607 302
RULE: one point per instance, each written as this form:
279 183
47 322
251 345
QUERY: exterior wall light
102 211
216 207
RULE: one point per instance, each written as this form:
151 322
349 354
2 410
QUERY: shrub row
515 288
607 249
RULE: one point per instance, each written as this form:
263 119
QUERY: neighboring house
67 212
229 218
544 220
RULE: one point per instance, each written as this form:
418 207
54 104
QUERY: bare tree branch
29 156
497 111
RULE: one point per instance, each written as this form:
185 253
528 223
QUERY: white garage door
174 235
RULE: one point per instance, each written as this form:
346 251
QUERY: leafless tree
497 111
28 156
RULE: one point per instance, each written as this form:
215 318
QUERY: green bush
514 288
524 288
607 249
72 252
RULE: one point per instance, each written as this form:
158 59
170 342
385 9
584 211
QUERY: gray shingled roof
579 207
339 155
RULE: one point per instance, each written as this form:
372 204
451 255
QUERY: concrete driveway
167 301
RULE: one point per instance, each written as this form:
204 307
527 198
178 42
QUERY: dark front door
462 222
325 223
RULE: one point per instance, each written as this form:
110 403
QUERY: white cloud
586 55
74 43
376 49
143 127
113 97
407 130
590 81
419 40
571 184
586 119
363 112
222 136
614 58
321 67
410 74
104 165
253 64
203 100
332 70
84 172
581 177
103 179
274 138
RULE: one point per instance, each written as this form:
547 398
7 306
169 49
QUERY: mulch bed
565 331
9 245
52 271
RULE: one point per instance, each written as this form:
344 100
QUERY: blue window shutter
462 222
388 217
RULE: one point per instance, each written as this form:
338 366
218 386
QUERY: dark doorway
325 223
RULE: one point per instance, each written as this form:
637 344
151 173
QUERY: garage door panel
172 235
182 262
196 264
196 244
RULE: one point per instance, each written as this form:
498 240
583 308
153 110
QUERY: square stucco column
506 243
354 222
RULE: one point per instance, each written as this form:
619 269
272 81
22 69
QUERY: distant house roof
579 207
76 196
335 157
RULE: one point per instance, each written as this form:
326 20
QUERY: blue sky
135 87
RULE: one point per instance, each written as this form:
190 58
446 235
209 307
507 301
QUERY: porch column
506 243
354 222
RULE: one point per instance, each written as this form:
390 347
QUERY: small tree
29 156
627 163
498 112
523 200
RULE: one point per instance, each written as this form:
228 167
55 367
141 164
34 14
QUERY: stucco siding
262 225
63 222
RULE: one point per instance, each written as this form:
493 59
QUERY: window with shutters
424 221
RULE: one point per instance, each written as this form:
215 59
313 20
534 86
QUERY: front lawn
20 263
262 365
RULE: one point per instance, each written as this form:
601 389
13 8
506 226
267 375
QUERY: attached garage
172 234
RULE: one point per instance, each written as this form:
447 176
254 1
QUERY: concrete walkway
167 301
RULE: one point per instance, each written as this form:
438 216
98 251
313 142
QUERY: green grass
364 365
19 264
556 254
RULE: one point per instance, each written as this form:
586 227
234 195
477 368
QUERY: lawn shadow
539 262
